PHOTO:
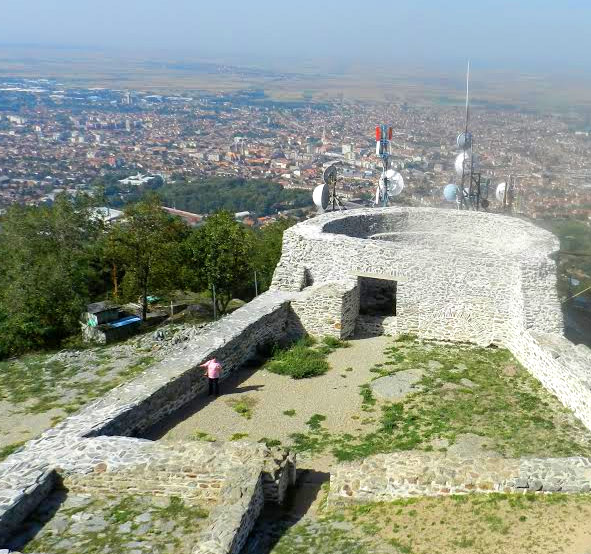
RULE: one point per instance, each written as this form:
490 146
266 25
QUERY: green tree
221 255
267 251
147 246
50 269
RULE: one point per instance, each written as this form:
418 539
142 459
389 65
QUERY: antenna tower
391 182
468 192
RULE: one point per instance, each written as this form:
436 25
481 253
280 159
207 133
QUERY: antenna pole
467 95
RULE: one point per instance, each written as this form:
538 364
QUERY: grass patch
305 358
492 523
300 361
243 406
315 421
9 449
238 436
289 413
501 402
201 436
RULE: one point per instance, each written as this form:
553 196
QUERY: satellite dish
330 175
464 140
501 191
395 182
450 192
321 196
462 163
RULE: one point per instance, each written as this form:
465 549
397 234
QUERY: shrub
299 361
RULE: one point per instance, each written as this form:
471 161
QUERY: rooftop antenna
391 182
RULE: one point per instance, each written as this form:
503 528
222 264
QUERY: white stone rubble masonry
386 477
328 309
461 276
79 445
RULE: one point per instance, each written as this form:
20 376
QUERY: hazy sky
536 33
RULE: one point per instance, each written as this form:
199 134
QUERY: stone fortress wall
460 276
497 287
95 448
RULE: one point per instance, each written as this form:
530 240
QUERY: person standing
213 368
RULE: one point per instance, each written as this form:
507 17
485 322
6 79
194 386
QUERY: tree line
56 259
208 195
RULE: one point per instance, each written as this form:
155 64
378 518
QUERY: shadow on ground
300 503
231 385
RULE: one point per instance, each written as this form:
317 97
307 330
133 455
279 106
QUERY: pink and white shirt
213 367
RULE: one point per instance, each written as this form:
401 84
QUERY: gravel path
334 395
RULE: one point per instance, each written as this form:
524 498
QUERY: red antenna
378 133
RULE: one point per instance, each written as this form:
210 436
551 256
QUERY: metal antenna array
325 196
468 192
391 182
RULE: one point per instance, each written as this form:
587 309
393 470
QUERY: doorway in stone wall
377 297
377 306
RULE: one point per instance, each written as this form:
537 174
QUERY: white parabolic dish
320 196
462 158
395 182
450 192
500 192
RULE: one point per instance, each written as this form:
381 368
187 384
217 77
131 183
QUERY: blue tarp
125 321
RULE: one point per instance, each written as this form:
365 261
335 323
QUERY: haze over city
534 34
306 277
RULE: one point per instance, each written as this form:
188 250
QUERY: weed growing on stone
319 538
201 436
42 384
116 524
270 443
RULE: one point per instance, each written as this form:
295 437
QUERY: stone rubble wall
185 482
328 309
460 275
373 325
232 520
386 477
563 368
172 383
97 436
238 493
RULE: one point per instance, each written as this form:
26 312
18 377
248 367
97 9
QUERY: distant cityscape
56 138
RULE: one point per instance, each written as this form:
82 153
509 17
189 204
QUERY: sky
520 33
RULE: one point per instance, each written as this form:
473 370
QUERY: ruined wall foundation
459 276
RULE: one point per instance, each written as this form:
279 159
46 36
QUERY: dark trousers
214 384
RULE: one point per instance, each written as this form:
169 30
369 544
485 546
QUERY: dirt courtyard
334 395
